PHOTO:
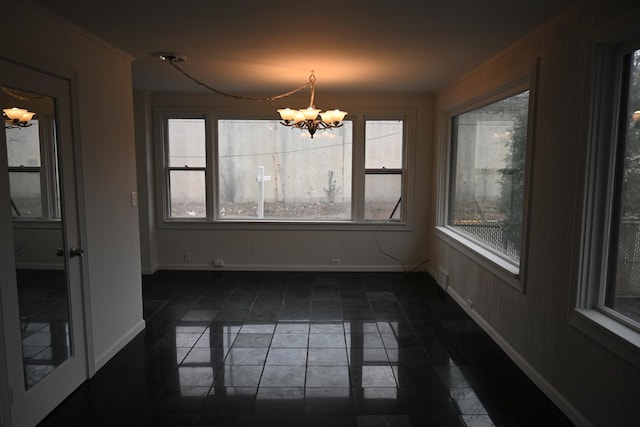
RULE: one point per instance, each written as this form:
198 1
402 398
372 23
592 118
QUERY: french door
41 252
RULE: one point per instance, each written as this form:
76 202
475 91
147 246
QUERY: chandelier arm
250 98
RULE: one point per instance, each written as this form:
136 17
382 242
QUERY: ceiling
267 47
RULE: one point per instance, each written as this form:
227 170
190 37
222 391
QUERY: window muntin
186 167
621 290
489 146
384 165
303 179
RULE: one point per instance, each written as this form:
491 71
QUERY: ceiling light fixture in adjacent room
17 117
310 118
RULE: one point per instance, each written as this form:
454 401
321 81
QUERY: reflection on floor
44 321
302 349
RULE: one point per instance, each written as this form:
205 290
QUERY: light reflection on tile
340 363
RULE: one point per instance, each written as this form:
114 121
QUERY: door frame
79 308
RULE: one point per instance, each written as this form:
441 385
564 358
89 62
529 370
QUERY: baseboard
39 266
101 360
549 390
312 268
149 270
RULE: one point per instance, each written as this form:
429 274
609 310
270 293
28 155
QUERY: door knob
75 252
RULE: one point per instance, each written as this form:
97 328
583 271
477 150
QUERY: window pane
383 144
187 194
187 143
304 178
23 146
623 292
489 148
25 194
382 193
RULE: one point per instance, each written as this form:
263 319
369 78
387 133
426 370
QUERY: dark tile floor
304 349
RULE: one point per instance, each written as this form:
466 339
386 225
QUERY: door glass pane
23 145
382 196
268 171
42 287
623 292
383 149
187 143
26 200
187 194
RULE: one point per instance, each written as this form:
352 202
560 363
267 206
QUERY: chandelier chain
250 98
15 95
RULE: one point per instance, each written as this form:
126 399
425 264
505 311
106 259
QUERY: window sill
620 339
507 271
202 224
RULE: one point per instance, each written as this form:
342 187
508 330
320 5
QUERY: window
608 292
488 157
620 292
223 170
268 171
32 160
383 169
186 166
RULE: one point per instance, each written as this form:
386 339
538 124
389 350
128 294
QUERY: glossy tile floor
303 349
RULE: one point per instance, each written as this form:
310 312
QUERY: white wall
102 98
587 380
282 247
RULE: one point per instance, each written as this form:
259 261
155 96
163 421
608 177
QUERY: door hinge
11 396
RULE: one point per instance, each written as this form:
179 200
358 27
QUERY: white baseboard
101 360
313 268
556 397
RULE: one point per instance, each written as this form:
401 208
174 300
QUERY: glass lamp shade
15 113
287 113
338 115
310 113
27 116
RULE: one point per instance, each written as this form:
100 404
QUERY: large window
268 171
488 158
251 170
608 295
621 290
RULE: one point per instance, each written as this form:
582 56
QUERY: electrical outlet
187 256
218 262
335 261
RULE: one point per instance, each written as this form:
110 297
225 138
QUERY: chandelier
17 117
310 118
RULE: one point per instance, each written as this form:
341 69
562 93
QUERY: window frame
48 170
161 114
402 171
504 267
589 313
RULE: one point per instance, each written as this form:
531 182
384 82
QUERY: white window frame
402 171
590 315
49 190
504 267
212 115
